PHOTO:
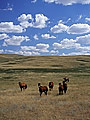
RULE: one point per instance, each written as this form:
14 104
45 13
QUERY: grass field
28 105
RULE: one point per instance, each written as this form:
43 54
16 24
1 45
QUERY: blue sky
45 27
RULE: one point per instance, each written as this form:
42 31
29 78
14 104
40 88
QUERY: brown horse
51 85
61 88
65 84
42 89
22 86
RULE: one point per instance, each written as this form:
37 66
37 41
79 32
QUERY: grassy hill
28 105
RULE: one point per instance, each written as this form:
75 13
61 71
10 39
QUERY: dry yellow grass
28 105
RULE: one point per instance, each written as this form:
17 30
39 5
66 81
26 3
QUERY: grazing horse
42 89
61 88
51 85
22 85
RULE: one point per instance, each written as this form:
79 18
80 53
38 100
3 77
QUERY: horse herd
62 87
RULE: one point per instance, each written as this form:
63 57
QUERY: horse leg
40 93
21 88
64 91
45 92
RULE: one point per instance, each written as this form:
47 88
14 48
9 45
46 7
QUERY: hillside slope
28 105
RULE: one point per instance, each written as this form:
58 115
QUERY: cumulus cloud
40 21
22 52
15 40
28 53
47 36
78 29
83 39
3 36
39 48
9 27
59 28
81 45
68 2
73 29
42 47
66 44
29 48
25 17
27 21
53 52
76 53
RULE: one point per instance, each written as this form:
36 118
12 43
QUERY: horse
42 89
22 86
51 85
65 86
61 88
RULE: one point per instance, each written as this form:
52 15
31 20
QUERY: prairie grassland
28 105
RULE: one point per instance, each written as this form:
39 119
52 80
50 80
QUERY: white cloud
84 49
15 40
47 36
78 44
33 1
3 36
28 21
87 19
66 44
9 27
36 37
1 51
25 17
25 20
68 2
40 48
54 51
83 39
73 29
59 28
22 52
78 29
27 53
77 53
29 48
40 21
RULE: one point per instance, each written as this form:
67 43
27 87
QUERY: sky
45 27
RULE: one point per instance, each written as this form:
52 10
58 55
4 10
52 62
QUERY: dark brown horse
51 85
42 89
22 86
65 86
61 88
